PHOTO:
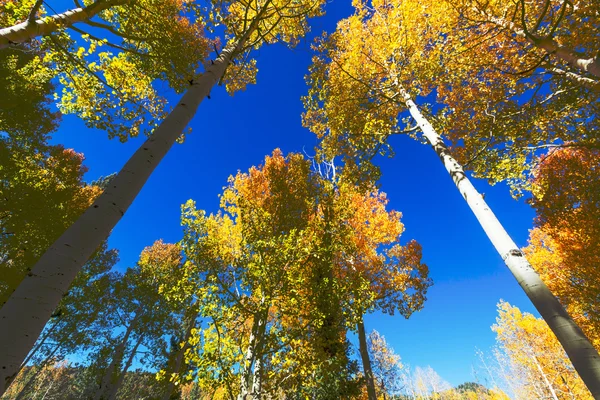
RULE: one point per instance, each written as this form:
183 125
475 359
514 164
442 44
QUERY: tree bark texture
28 30
582 354
33 302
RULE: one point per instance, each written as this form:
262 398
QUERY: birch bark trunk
582 354
33 302
30 29
107 384
366 361
259 351
544 377
246 377
107 379
253 354
39 346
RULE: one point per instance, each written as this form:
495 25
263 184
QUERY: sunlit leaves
354 104
510 99
564 246
538 363
252 24
110 93
42 193
113 87
164 38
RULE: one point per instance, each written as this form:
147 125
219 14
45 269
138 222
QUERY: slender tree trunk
252 354
582 354
248 362
52 382
366 361
33 302
28 30
115 388
258 362
544 377
31 381
551 46
107 384
180 355
257 378
39 346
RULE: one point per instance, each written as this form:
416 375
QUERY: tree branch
33 12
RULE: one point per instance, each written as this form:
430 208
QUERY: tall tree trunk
33 378
366 360
180 354
582 354
32 28
252 354
551 46
42 341
257 378
108 383
115 388
257 371
33 302
248 362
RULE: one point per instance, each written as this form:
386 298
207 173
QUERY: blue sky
234 133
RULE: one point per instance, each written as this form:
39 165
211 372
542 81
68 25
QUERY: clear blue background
234 133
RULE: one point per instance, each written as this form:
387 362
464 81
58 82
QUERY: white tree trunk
28 30
582 354
544 376
257 378
246 375
252 367
23 316
34 376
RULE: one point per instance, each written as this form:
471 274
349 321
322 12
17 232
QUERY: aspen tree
30 306
366 74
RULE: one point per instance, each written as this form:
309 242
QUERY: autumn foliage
565 245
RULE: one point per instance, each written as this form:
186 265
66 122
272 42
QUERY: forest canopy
272 199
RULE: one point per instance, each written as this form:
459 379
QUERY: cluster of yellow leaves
303 257
43 193
564 248
278 20
238 76
539 365
110 93
165 38
256 23
507 97
354 103
113 90
25 83
14 12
